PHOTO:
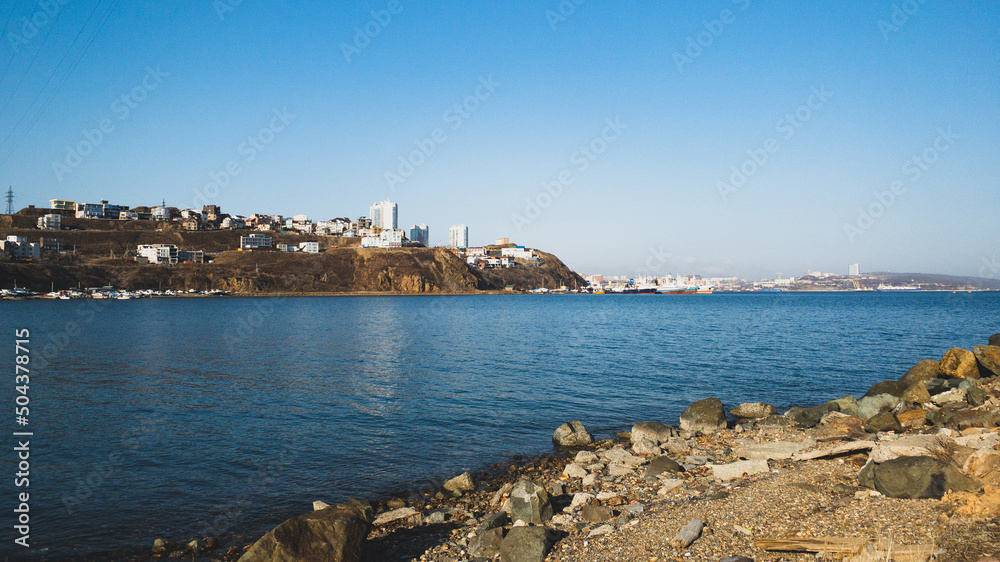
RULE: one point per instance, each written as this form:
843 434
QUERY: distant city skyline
739 138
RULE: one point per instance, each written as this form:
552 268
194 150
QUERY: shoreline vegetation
908 471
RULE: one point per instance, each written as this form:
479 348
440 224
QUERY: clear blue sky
923 83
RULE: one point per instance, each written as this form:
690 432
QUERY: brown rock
839 426
959 363
988 357
910 419
883 421
332 534
892 388
917 393
923 370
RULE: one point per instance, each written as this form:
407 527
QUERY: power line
3 74
10 200
90 41
48 33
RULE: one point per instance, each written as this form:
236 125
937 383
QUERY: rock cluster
932 433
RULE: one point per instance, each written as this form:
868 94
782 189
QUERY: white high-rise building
458 236
854 270
384 215
419 234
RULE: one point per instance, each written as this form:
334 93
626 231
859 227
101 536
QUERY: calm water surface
181 418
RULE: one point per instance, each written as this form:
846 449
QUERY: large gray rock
975 396
848 405
753 410
530 503
959 363
572 434
334 534
923 370
995 339
871 405
704 416
988 357
654 431
886 387
527 544
915 478
486 544
494 521
937 386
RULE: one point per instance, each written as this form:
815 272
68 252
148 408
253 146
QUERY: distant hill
928 280
339 269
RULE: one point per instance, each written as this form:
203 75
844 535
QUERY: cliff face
410 270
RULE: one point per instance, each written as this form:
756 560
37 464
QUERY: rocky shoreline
908 471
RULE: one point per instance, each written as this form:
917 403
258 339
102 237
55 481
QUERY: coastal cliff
337 270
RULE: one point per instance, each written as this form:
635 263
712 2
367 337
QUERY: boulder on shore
704 416
530 503
917 393
959 363
461 482
753 411
915 478
810 417
883 421
653 431
527 544
333 534
988 357
923 370
871 405
995 339
572 434
892 388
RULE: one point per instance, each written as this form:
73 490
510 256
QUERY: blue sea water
181 418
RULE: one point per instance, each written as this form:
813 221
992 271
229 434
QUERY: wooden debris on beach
688 534
834 451
855 548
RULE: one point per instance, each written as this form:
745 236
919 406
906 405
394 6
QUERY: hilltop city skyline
733 139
